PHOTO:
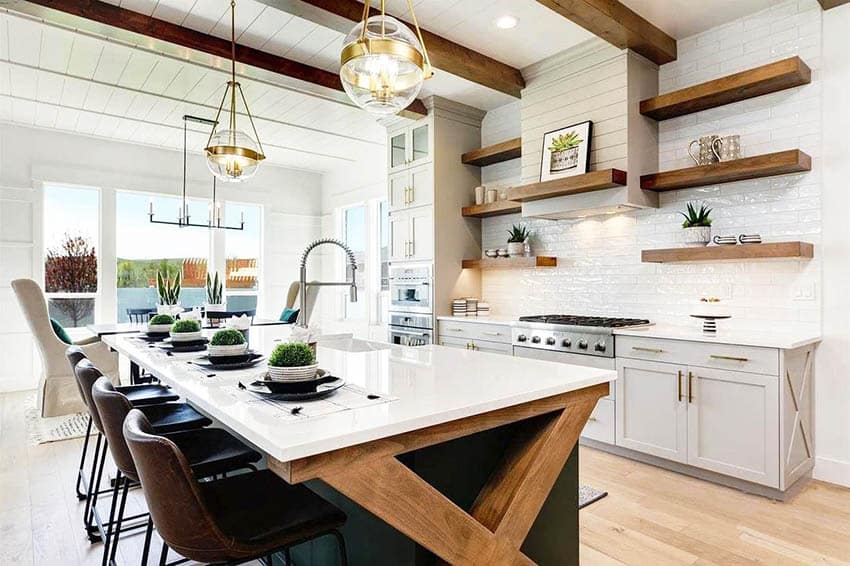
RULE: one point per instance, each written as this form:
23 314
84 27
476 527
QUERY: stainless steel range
582 340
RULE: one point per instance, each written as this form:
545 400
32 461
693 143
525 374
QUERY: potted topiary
564 152
168 291
160 324
697 226
516 240
186 331
292 361
214 294
227 342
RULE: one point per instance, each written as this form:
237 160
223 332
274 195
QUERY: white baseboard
832 471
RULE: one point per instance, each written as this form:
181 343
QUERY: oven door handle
409 333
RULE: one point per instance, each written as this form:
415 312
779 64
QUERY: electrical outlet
805 292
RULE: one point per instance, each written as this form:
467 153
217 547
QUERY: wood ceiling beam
827 4
445 55
162 30
618 25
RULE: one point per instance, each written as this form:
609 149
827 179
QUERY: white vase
516 249
215 307
696 236
173 310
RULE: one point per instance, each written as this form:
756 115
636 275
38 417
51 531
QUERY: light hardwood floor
650 516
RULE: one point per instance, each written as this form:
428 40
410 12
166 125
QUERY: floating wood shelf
593 181
767 165
773 250
510 262
497 153
486 210
772 77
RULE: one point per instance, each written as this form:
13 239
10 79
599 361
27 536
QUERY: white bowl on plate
186 336
227 350
293 373
158 328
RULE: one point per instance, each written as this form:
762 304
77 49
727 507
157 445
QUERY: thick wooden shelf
772 77
497 153
773 250
767 165
510 262
593 181
497 208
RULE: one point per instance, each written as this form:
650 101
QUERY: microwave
411 288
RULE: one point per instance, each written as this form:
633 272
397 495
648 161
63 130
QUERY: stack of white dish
483 309
459 307
471 306
300 373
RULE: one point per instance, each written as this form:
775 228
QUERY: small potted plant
517 236
292 361
168 291
160 324
564 151
227 342
214 294
697 225
186 331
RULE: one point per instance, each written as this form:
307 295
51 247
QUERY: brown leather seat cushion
212 451
173 417
147 394
261 509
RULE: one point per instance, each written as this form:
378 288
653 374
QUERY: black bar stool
209 451
229 521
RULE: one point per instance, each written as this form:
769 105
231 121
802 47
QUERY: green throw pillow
60 332
289 315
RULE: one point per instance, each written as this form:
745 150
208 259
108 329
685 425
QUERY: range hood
596 203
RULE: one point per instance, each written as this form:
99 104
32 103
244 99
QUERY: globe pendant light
384 63
232 155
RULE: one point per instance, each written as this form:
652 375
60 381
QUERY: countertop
766 339
431 384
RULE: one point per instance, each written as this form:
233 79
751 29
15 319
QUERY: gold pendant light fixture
232 155
383 62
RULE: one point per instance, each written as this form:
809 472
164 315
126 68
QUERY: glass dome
382 75
233 156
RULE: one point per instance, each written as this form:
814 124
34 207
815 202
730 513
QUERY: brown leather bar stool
209 451
229 521
138 395
166 417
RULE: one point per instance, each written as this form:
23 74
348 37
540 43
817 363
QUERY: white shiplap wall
599 258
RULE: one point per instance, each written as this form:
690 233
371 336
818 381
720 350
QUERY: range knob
521 338
550 341
567 343
535 339
600 346
582 344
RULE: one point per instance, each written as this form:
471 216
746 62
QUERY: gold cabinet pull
690 387
492 333
730 358
412 194
679 384
653 350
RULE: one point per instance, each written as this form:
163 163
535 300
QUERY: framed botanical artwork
566 151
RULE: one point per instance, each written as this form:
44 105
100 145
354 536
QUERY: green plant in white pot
227 342
185 331
517 236
168 293
697 225
215 301
292 361
160 324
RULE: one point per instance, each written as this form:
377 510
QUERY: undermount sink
352 345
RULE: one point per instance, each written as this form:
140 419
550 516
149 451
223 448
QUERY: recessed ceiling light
507 22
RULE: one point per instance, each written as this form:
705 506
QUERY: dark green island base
458 469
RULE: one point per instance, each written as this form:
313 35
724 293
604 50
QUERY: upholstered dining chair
229 521
293 302
57 390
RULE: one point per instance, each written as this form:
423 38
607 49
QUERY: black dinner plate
229 362
153 337
202 341
181 347
298 390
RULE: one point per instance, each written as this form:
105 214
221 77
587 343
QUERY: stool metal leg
126 485
108 537
163 556
96 490
91 489
146 551
80 494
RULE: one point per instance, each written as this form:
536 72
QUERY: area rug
52 429
588 495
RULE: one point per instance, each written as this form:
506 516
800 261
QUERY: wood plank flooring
651 516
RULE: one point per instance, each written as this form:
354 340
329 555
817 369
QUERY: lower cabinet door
600 425
733 424
494 347
461 343
652 408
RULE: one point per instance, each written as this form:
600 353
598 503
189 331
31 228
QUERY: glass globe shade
233 156
384 74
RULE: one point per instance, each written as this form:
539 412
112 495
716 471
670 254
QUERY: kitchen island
415 456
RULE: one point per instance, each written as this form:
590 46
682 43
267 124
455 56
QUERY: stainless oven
411 288
407 329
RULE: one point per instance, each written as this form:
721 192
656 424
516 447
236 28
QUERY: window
355 234
144 248
71 232
242 251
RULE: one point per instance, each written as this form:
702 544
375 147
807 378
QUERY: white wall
832 392
31 156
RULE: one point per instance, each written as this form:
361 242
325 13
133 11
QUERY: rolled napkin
239 322
309 335
194 314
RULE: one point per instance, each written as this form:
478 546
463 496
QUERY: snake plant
213 290
168 289
696 217
518 234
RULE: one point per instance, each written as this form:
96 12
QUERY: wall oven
408 329
411 288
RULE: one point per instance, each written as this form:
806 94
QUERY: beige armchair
58 393
292 301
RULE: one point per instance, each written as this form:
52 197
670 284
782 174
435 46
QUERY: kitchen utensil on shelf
750 238
727 148
725 240
706 154
491 196
479 195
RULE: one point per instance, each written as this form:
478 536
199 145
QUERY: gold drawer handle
492 333
730 358
653 350
455 329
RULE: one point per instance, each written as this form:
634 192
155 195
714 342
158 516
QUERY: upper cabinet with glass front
410 145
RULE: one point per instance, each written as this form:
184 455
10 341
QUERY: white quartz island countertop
430 385
760 338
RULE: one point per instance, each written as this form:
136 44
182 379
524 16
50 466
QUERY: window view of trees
71 267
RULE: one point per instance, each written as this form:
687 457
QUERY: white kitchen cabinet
412 234
479 336
410 146
733 424
476 345
411 188
652 408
